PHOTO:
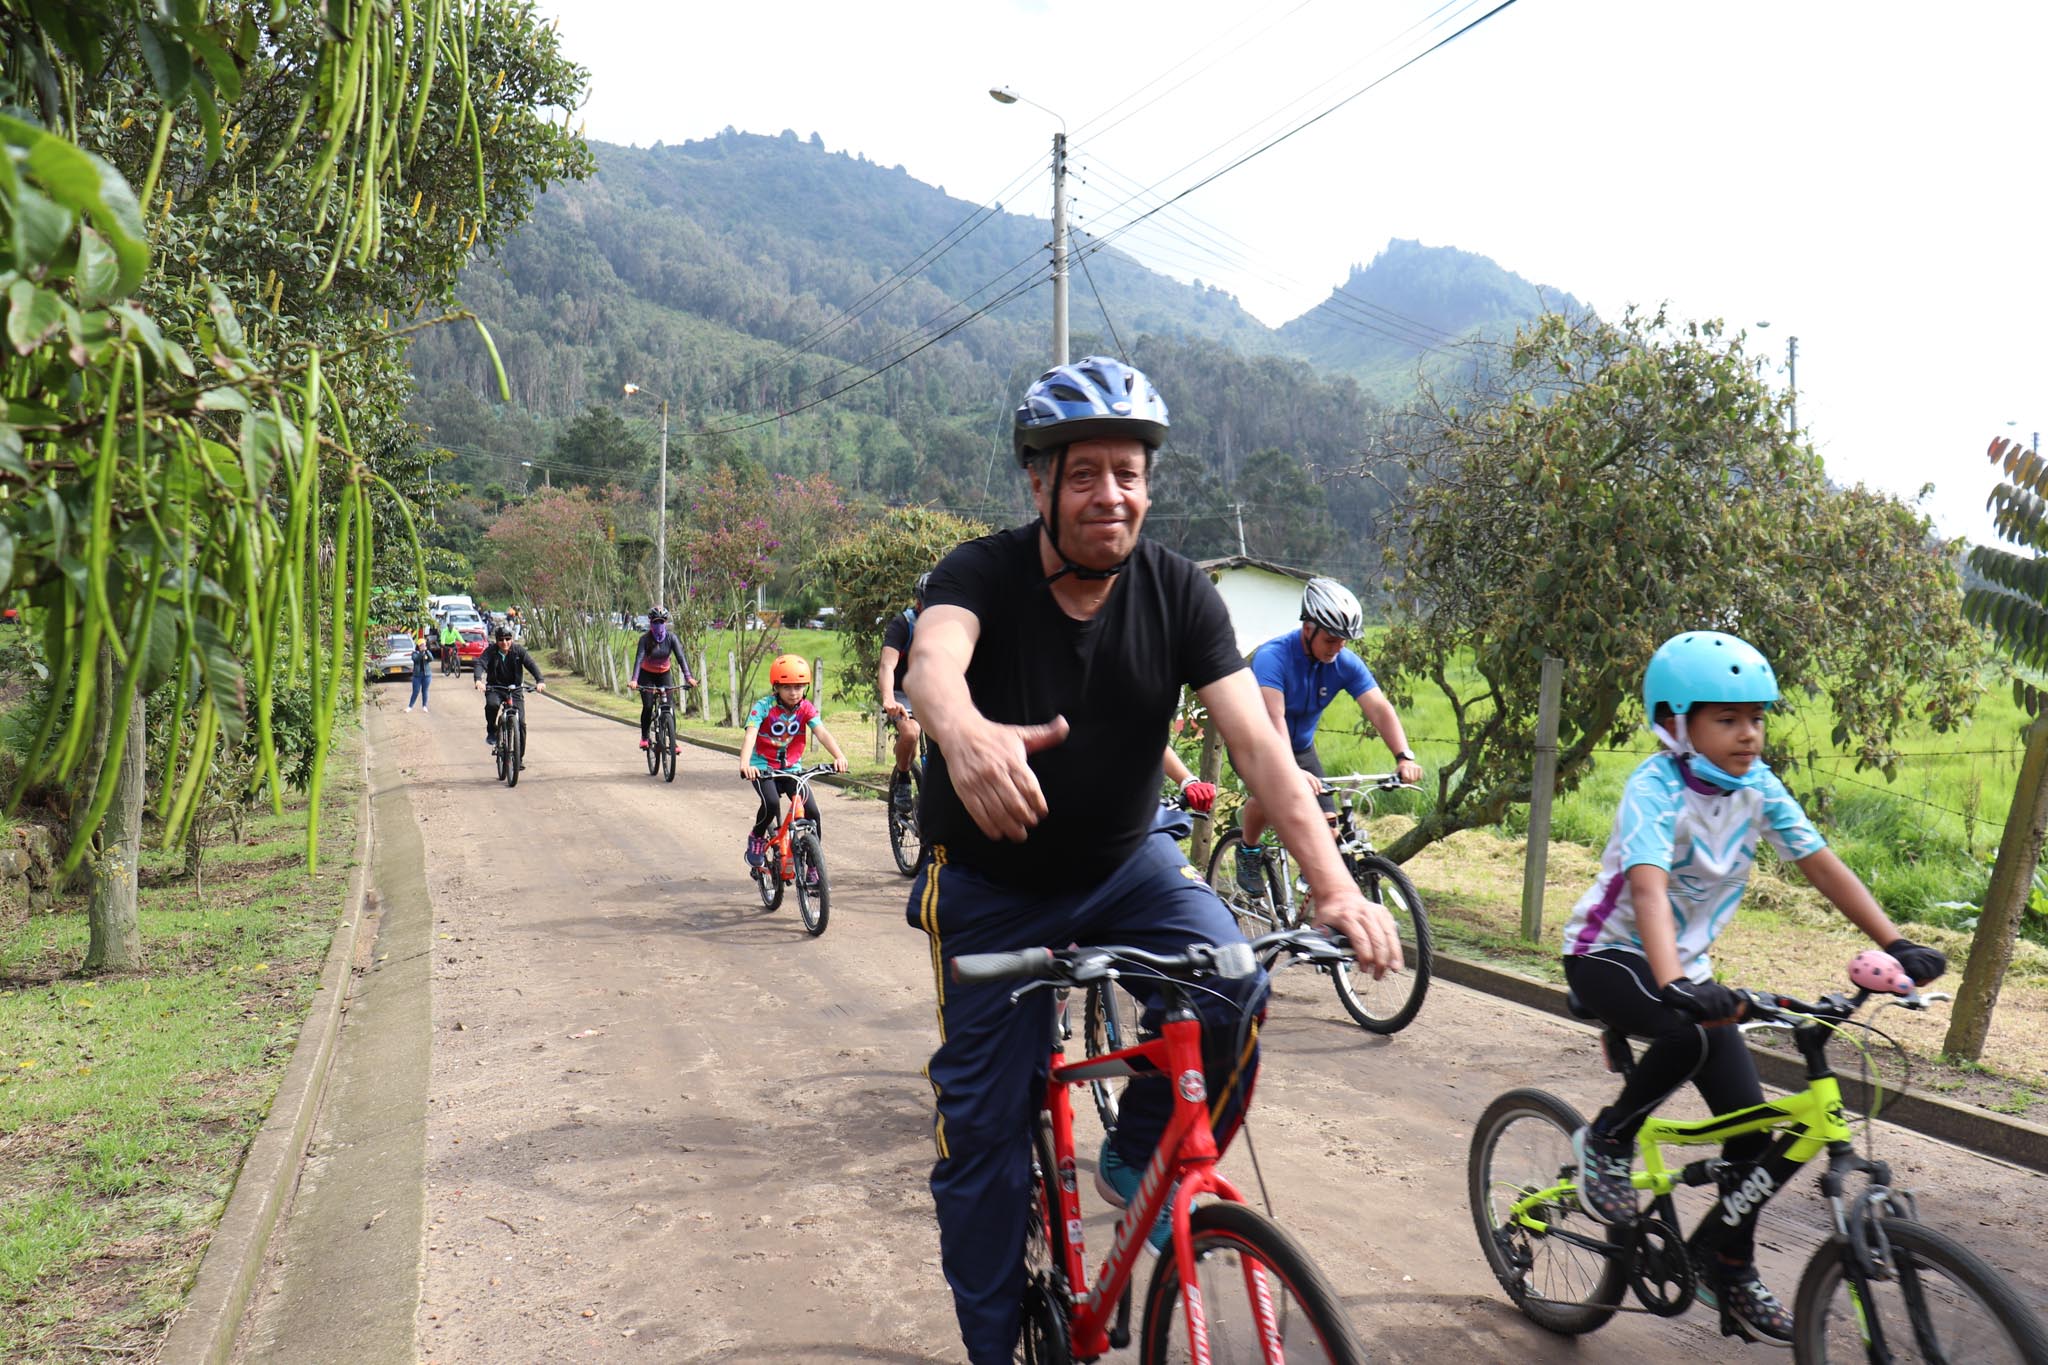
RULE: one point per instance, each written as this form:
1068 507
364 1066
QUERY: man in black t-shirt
1048 663
889 674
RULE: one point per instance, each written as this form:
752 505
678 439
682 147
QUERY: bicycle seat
1578 1007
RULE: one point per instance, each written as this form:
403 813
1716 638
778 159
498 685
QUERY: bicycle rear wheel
906 841
668 747
515 756
1247 1264
1044 1338
1107 1023
1256 915
1389 1004
653 754
1522 1143
1942 1304
498 754
813 901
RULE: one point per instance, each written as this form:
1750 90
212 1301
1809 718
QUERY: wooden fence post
732 688
1210 771
704 686
1542 787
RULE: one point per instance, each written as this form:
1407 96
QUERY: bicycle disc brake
1660 1271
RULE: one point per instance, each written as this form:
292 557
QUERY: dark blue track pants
989 1073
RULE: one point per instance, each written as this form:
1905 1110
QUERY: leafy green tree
869 576
600 447
2010 599
195 440
1621 482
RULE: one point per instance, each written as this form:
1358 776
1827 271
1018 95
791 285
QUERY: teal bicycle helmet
1706 666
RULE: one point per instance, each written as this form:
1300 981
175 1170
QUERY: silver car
394 662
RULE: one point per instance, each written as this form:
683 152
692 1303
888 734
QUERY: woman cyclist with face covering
658 662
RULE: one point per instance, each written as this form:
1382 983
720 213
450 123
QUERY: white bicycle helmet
1329 604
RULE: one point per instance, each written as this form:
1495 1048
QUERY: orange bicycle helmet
789 669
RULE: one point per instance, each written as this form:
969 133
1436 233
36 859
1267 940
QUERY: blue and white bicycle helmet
1701 667
1094 398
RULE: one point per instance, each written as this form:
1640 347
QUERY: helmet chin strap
1052 531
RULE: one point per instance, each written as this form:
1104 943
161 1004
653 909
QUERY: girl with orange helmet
778 727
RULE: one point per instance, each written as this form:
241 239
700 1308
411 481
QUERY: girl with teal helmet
1636 945
1703 668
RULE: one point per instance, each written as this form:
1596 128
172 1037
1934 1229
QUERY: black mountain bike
661 732
1389 1004
906 839
510 751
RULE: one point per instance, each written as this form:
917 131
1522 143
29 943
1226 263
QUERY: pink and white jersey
1705 838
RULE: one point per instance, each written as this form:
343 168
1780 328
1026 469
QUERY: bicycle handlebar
1383 781
1080 966
1771 1007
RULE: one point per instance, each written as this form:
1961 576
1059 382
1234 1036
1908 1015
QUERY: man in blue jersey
1299 675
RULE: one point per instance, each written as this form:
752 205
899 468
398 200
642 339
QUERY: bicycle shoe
1251 870
1117 1182
1747 1305
1604 1189
757 851
900 794
643 744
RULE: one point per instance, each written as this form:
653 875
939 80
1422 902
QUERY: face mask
659 631
1698 765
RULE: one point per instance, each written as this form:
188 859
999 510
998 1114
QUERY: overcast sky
1867 178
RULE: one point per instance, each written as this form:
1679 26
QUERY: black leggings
771 790
649 678
1619 987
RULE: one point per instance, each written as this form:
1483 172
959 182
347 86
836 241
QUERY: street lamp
661 517
546 481
1005 95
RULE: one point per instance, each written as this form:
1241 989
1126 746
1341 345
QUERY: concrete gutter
203 1333
1993 1135
716 746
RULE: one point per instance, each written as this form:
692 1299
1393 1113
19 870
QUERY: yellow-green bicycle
1885 1287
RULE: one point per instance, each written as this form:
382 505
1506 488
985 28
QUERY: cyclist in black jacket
499 668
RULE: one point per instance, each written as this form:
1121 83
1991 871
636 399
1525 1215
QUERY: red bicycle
796 855
1256 1295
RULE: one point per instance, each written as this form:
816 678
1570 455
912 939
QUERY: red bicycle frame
1186 1154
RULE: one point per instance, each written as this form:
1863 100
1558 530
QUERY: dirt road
664 1125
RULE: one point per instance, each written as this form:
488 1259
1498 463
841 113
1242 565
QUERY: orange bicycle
796 854
1233 1285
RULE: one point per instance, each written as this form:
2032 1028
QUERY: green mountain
1415 303
809 310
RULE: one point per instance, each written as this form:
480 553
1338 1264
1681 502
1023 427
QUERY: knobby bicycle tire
653 754
1044 1339
515 755
1965 1305
1253 917
768 877
498 756
668 747
1106 1025
1557 1284
813 903
906 838
1389 1004
1308 1313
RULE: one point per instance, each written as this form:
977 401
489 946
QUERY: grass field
126 1102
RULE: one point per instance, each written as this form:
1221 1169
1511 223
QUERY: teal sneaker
1251 871
1117 1182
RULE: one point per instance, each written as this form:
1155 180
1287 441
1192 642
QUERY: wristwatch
1405 756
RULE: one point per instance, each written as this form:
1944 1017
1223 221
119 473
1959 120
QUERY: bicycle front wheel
813 898
1523 1143
1389 1004
1257 1286
906 842
1256 913
1105 1027
1941 1304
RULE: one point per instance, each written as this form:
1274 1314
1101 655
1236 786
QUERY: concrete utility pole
1792 377
1005 95
1059 246
661 505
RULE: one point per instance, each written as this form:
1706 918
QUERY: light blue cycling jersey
1705 838
1307 686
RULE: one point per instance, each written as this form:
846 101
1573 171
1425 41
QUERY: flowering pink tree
731 552
558 553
